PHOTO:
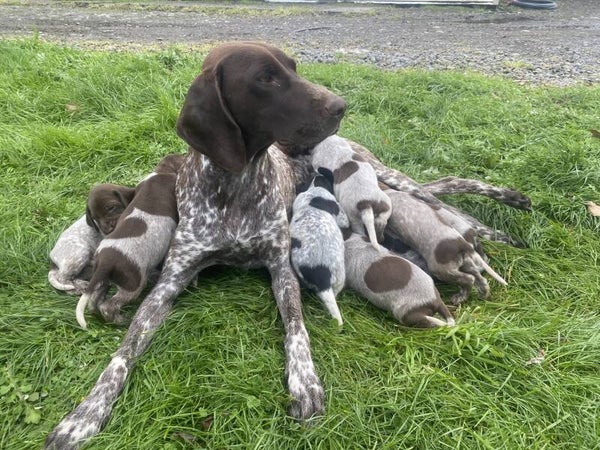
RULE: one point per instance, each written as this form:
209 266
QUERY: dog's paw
308 399
516 200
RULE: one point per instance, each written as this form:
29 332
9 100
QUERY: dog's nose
336 106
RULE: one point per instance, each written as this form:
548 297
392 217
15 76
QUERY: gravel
560 47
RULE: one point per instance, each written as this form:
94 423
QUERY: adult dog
233 198
234 195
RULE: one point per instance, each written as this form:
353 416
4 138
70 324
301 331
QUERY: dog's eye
266 78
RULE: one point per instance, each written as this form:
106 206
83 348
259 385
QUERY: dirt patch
559 47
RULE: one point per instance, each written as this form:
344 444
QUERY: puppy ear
207 125
89 220
328 174
125 195
323 182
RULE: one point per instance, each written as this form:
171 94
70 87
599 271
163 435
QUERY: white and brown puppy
137 245
394 284
317 250
355 186
71 257
449 256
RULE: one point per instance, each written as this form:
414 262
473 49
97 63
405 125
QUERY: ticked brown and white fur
450 257
137 245
355 186
394 284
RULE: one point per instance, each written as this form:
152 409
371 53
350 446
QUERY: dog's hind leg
455 185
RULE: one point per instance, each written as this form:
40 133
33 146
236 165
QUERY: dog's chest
238 219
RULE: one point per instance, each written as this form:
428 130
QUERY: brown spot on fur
128 228
158 195
470 235
378 206
448 250
345 171
357 157
119 268
388 274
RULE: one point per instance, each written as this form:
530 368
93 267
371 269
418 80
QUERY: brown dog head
105 205
248 96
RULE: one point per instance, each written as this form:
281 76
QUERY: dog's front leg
91 414
303 383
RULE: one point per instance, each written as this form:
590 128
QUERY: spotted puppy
137 245
355 186
317 251
449 256
394 284
71 256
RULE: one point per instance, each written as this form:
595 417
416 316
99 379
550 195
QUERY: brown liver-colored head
106 203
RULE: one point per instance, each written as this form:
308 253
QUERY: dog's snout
336 106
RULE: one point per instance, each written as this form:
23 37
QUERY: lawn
521 370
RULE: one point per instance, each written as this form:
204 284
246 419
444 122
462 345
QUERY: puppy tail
328 299
493 273
80 310
55 281
368 219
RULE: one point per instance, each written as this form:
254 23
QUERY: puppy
355 186
71 257
394 284
449 256
137 245
317 251
106 202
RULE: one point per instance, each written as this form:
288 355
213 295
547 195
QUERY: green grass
213 377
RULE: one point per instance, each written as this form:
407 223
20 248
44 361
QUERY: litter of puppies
337 231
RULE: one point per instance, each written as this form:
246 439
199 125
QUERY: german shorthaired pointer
394 284
355 186
317 252
450 257
233 198
234 195
137 245
105 204
71 257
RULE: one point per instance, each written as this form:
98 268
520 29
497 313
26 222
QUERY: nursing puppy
71 257
449 256
355 186
394 284
106 202
137 245
317 250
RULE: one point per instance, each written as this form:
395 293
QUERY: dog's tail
491 271
328 298
80 310
368 219
56 282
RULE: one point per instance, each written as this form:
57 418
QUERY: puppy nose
336 106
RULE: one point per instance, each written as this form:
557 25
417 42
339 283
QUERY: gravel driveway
559 47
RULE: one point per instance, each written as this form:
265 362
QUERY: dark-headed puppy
394 284
106 202
137 245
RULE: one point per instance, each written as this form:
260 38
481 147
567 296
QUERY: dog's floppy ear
124 194
207 125
323 182
89 219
